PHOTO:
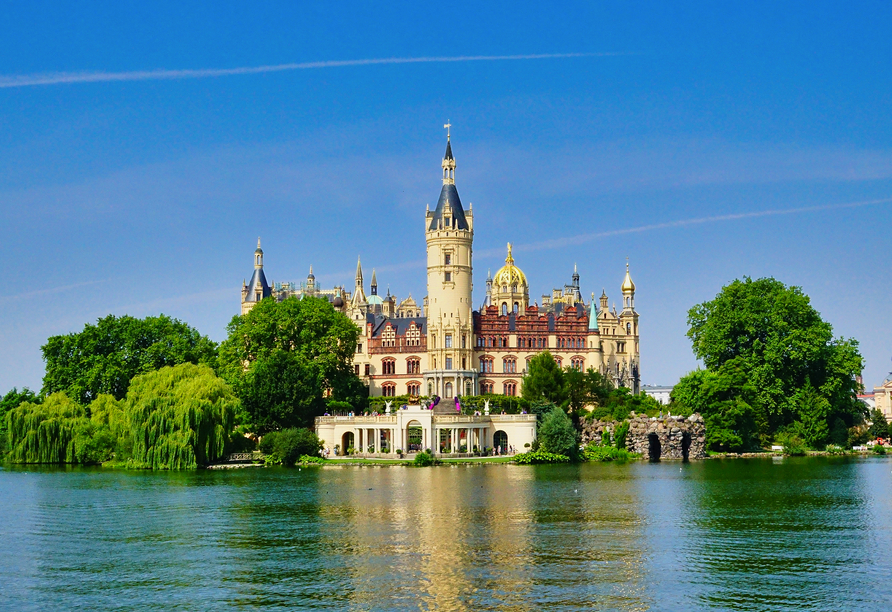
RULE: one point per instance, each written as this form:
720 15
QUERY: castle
447 348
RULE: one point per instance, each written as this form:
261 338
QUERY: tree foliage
287 446
558 435
770 361
180 417
544 380
879 428
283 358
103 358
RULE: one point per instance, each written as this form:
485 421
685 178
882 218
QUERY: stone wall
656 438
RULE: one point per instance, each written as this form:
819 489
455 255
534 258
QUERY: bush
424 459
289 445
540 456
619 436
879 449
835 449
558 435
594 452
310 459
794 446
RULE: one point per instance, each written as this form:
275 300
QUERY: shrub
424 459
835 449
310 459
879 449
558 435
289 445
619 436
594 452
540 456
793 445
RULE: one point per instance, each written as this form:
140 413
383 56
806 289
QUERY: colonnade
394 438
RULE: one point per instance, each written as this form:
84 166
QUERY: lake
746 534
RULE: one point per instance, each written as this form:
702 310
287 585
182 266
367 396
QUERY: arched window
510 388
413 365
504 308
629 328
486 387
388 366
516 307
388 389
414 388
486 364
509 365
577 363
448 389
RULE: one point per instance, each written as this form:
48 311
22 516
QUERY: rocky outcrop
656 438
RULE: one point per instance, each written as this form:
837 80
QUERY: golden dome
628 285
509 275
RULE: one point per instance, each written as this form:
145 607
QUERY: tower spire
448 159
358 272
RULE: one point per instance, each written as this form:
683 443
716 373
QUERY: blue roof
450 193
252 295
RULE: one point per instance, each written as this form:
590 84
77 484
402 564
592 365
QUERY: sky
144 147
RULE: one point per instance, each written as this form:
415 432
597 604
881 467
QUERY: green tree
544 380
558 435
774 336
103 358
287 446
879 428
814 410
283 358
13 399
179 417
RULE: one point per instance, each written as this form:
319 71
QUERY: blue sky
666 143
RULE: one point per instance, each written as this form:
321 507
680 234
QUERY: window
414 388
629 328
516 307
464 341
447 258
447 276
559 361
529 359
464 363
486 364
356 368
388 366
413 365
359 348
468 388
388 389
504 308
480 341
413 335
577 363
449 363
448 340
486 387
388 336
510 388
509 365
368 369
448 389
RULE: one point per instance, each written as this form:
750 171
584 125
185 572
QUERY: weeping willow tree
179 417
59 431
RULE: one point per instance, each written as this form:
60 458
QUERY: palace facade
445 347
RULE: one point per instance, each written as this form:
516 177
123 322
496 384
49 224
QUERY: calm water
791 534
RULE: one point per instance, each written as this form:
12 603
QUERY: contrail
583 238
58 78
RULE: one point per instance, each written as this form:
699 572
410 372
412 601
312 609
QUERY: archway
654 448
500 439
685 445
448 388
414 437
347 442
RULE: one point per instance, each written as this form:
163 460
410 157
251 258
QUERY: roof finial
510 258
447 125
258 242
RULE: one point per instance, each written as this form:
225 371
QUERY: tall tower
449 231
258 288
628 323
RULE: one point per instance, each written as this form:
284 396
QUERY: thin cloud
60 78
556 243
39 292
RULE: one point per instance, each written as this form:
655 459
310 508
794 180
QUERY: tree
558 435
814 410
779 342
103 358
544 380
284 358
180 417
287 446
879 428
